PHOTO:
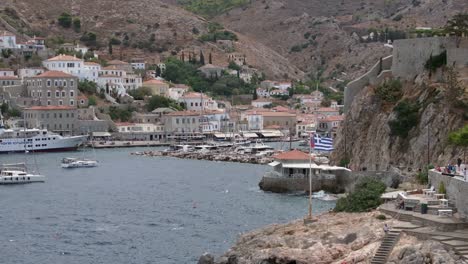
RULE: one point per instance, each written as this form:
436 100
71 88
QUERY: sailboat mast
312 140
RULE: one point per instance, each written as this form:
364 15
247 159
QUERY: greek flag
323 143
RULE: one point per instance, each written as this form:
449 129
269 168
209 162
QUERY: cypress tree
202 58
210 61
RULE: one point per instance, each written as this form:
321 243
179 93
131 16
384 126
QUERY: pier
127 144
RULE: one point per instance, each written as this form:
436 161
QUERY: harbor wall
340 182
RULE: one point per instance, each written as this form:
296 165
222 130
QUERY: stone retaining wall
457 191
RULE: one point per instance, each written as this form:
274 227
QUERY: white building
198 102
74 66
111 84
7 72
138 65
262 92
261 102
7 40
254 121
177 91
29 72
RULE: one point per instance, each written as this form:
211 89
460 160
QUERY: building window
82 102
48 83
55 83
64 94
72 102
60 102
72 93
177 120
49 94
48 103
72 83
57 94
64 83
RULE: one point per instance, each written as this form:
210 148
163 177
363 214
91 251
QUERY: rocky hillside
325 35
174 29
367 139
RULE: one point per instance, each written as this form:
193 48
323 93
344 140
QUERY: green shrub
89 38
398 17
422 177
435 62
442 188
140 93
65 20
365 197
381 217
390 91
92 100
296 48
218 35
76 24
407 117
87 87
120 114
157 101
211 8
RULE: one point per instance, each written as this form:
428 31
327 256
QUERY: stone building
59 119
52 88
157 87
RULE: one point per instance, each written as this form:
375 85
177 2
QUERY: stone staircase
386 247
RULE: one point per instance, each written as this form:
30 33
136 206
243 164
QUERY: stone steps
386 247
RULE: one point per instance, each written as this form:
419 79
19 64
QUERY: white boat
321 195
36 140
254 148
71 163
17 174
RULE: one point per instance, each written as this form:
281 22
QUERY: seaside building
198 102
157 87
52 88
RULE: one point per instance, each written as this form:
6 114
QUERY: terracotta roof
91 63
62 57
53 74
5 69
9 78
281 109
194 96
292 155
124 124
184 113
154 81
51 107
279 114
327 109
111 67
117 62
333 118
109 76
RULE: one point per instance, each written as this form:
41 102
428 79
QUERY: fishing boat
18 174
71 163
254 148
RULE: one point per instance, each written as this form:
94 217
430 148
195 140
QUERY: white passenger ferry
17 174
36 140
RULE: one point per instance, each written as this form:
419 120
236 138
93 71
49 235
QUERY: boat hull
41 143
21 179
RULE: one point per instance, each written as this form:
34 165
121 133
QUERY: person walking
385 228
459 162
464 174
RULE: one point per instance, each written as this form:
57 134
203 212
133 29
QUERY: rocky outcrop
333 238
365 135
413 251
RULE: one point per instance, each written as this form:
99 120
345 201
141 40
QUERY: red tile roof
111 67
9 78
183 113
117 62
327 109
333 118
53 74
91 63
154 81
292 155
51 107
5 69
194 96
62 57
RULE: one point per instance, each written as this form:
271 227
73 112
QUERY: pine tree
255 95
183 56
202 58
158 71
110 48
210 60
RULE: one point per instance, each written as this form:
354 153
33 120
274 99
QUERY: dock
127 144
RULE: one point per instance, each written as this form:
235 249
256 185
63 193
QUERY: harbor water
134 209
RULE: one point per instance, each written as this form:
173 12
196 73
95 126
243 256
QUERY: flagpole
312 140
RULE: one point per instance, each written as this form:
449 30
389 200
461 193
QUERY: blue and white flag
323 143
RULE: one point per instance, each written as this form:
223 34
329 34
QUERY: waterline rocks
226 155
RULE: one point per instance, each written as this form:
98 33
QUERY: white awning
326 167
301 166
250 135
272 133
101 134
274 163
223 135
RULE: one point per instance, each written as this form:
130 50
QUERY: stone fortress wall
408 60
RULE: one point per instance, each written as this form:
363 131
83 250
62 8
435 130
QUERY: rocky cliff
366 138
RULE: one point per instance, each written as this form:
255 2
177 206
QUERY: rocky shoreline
227 156
334 238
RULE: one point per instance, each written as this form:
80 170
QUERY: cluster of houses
49 98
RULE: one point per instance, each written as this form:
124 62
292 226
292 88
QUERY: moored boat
18 174
71 163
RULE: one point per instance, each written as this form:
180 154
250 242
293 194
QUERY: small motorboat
71 163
